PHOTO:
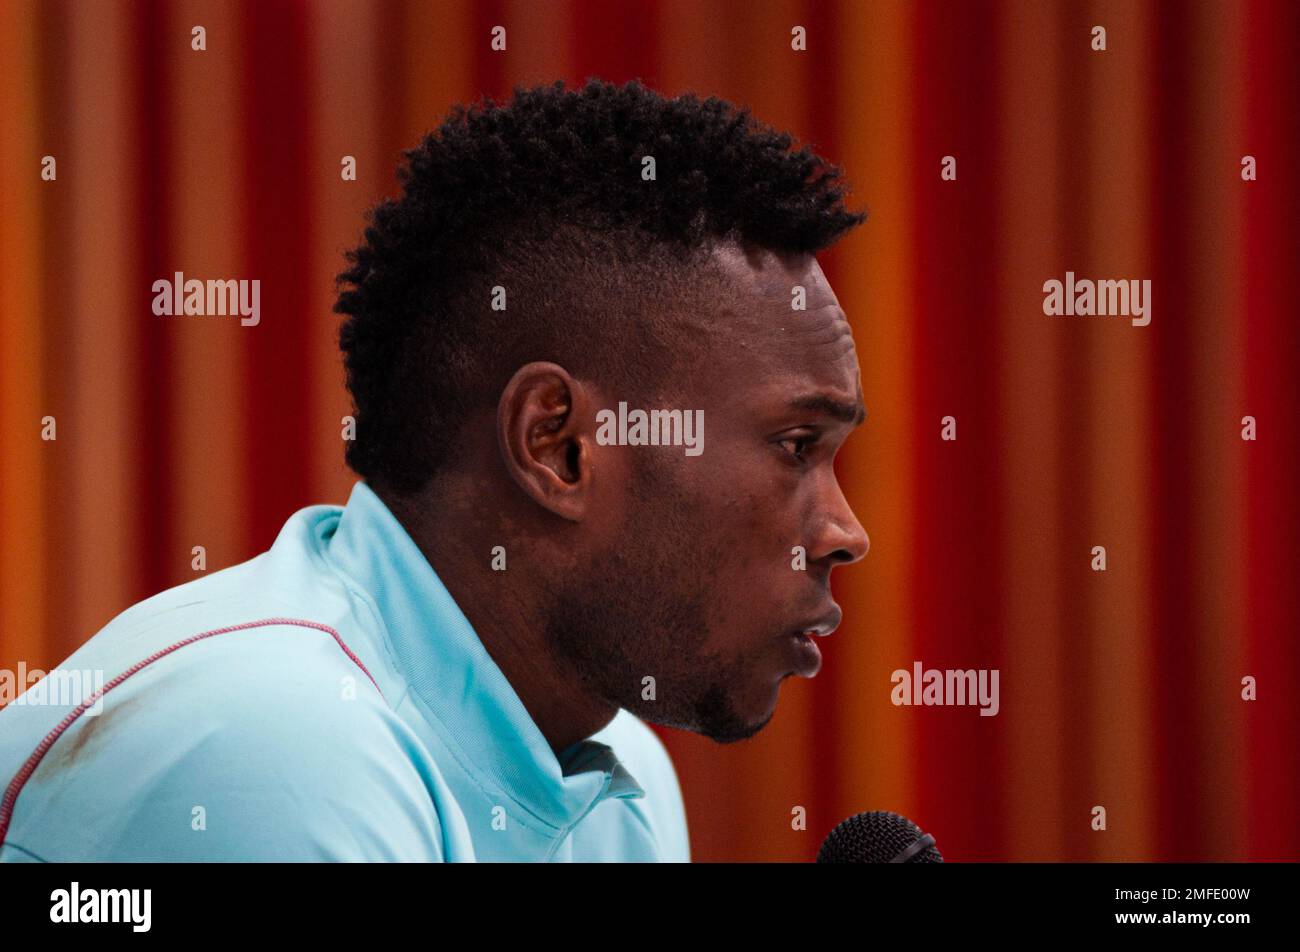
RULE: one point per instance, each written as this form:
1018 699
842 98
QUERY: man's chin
720 720
731 734
716 714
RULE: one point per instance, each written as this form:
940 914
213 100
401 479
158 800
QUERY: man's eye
797 446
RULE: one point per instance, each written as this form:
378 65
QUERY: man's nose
842 538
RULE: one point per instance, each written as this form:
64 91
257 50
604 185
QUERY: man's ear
542 425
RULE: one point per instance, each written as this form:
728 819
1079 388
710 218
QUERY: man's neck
508 618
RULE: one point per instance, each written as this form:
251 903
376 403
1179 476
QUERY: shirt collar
447 667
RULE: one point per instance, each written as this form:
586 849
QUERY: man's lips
822 625
806 656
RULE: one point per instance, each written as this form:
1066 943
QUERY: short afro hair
545 198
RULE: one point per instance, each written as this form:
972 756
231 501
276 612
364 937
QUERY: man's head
573 251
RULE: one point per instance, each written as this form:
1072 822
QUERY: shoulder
266 742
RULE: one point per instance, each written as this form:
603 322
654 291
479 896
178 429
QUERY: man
545 552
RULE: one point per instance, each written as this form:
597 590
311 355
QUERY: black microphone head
878 837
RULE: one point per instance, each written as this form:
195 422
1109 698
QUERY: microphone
878 837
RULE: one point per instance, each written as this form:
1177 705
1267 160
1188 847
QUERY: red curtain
1120 689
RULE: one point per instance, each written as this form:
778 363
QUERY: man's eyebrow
853 413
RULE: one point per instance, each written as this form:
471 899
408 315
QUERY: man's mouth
823 625
807 656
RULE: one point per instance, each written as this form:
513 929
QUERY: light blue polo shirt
326 700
